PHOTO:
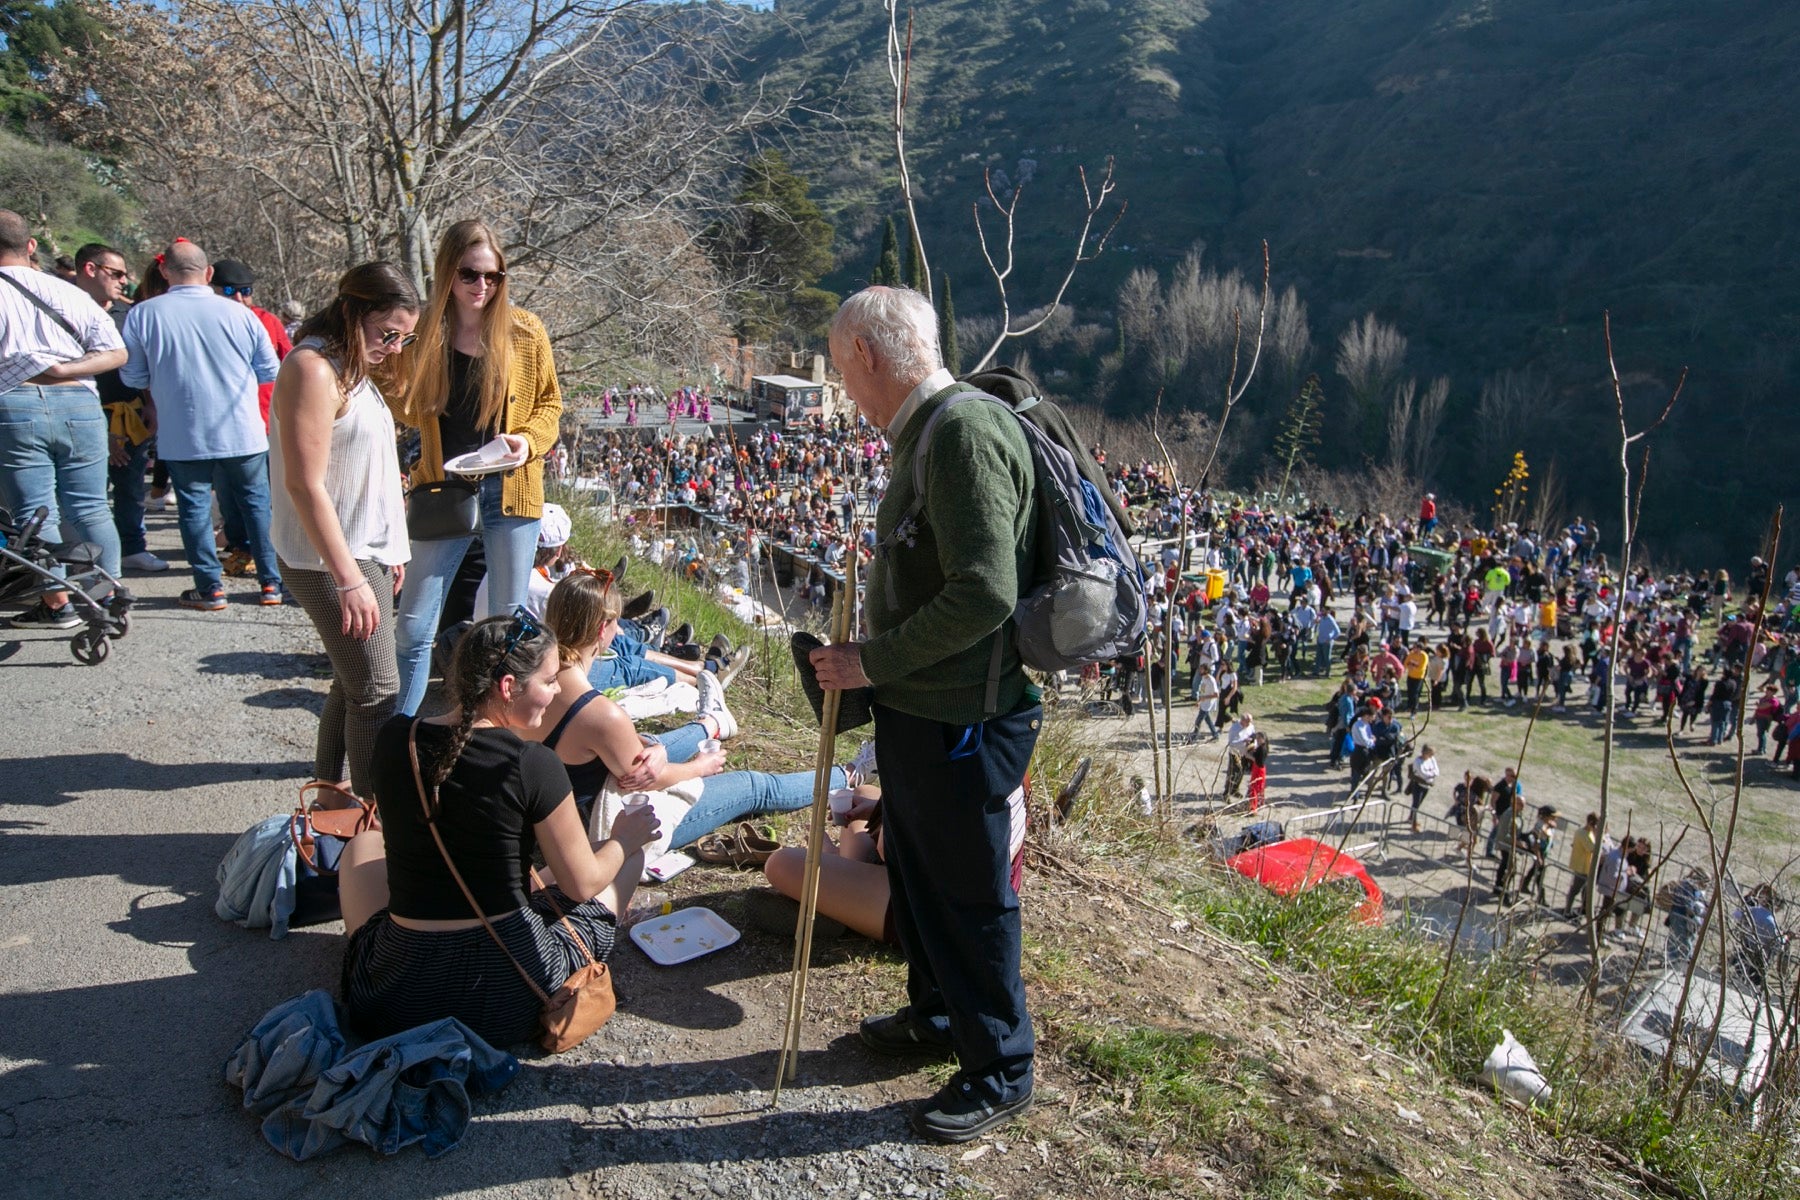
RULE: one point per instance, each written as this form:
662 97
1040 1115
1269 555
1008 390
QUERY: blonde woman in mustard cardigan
481 369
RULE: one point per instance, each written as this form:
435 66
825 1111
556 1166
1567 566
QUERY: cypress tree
947 329
887 266
915 262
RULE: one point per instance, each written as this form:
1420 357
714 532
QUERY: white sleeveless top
362 477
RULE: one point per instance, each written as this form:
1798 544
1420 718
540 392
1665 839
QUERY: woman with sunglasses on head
418 950
338 518
596 740
482 369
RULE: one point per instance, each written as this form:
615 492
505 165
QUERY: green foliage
1340 133
35 36
915 264
776 245
887 263
1300 429
55 189
947 326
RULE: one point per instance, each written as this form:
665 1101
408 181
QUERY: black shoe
654 624
42 616
684 633
619 570
897 1034
639 606
955 1114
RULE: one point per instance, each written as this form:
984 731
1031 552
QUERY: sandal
747 847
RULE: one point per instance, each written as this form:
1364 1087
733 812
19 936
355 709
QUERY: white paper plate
681 936
485 461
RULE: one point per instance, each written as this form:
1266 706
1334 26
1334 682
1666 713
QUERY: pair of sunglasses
469 278
524 626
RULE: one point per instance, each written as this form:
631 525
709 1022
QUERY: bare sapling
1630 504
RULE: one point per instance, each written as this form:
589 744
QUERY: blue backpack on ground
1086 599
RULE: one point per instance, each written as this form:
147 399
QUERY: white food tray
680 936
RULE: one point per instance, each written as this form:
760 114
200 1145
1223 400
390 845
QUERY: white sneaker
143 560
712 705
156 503
863 765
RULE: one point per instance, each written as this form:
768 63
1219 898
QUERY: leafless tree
1369 355
1513 404
581 130
1414 419
1290 340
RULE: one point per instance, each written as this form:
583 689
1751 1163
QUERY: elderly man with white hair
955 717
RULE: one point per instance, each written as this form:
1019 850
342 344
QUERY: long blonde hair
428 387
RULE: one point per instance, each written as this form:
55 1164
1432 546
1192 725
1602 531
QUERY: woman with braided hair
418 952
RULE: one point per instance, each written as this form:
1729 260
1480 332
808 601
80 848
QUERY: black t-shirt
112 389
499 789
458 426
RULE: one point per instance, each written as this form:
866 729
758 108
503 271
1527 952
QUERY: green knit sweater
957 583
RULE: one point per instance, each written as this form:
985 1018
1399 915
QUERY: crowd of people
293 429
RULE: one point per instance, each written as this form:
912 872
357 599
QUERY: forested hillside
1487 176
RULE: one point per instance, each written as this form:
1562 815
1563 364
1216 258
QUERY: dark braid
481 659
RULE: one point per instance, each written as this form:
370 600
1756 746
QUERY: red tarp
1301 863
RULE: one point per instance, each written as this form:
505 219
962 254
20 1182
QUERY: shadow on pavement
63 780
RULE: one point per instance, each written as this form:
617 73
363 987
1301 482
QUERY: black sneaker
957 1114
683 635
42 616
899 1035
201 601
639 606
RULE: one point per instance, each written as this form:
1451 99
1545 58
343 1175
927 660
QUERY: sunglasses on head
524 626
470 278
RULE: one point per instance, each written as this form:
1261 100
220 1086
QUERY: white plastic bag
1511 1069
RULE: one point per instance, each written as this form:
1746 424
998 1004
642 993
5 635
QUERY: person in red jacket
1427 514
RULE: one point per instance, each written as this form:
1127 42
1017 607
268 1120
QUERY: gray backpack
1085 602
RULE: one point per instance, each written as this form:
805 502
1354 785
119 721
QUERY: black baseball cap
232 274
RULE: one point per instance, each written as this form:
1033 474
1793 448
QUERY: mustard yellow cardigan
533 411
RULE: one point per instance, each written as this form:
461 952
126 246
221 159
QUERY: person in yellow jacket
481 370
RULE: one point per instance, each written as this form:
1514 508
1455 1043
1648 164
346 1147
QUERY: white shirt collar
934 383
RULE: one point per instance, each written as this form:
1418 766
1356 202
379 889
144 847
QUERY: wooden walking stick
842 613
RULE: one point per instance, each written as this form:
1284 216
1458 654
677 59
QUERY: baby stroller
29 566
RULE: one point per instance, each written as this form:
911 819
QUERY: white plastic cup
637 800
841 800
710 745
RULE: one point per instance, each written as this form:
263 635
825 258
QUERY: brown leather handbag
334 812
585 1001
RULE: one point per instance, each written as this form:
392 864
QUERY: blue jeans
245 479
1322 658
53 451
626 666
128 497
734 795
511 545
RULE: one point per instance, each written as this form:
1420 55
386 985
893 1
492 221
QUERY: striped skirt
396 978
